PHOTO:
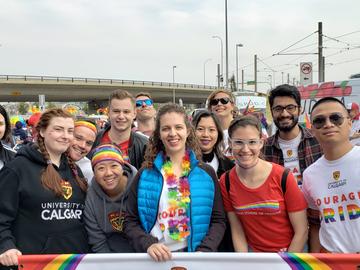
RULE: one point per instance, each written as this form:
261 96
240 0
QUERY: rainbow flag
307 121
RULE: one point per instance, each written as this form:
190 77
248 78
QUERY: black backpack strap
283 180
227 181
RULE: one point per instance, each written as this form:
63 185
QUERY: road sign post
306 72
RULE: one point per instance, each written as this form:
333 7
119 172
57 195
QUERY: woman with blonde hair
43 195
174 203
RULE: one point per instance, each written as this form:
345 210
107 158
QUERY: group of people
170 185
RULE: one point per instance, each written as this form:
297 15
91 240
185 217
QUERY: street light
222 56
226 46
207 60
173 73
237 65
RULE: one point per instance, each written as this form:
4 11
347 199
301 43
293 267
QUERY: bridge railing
100 81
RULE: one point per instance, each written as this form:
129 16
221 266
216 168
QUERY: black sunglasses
148 102
223 101
336 118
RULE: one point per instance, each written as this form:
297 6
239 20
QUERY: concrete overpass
14 88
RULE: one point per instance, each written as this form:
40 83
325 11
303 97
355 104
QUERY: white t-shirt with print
333 188
291 158
160 230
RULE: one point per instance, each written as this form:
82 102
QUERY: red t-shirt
263 210
124 146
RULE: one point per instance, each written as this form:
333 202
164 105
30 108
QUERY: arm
237 233
314 227
97 237
217 224
299 223
8 204
138 238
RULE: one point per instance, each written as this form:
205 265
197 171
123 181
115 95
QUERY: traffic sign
306 72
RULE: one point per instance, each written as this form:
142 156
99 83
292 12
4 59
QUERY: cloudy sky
143 39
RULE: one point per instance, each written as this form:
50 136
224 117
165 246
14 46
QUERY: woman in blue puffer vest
174 203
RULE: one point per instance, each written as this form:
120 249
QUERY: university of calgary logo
336 175
67 189
116 221
289 152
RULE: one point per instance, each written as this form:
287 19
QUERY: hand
283 250
159 252
10 257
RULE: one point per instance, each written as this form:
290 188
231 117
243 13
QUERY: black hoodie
32 218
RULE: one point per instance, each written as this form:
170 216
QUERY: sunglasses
223 101
140 102
335 118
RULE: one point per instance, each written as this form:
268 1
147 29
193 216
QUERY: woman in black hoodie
42 195
6 153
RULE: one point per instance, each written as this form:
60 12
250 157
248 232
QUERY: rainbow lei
179 198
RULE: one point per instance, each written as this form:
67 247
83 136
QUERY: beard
288 127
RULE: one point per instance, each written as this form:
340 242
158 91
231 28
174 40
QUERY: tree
23 108
232 83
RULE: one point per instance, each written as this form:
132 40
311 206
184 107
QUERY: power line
295 43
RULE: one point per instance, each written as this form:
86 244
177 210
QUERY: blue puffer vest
202 192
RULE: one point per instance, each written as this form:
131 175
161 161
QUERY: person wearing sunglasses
222 103
331 184
122 113
145 114
265 207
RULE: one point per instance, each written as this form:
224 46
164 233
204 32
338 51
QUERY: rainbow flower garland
179 198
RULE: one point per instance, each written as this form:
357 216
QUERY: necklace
179 198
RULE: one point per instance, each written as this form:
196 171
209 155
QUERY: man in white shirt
331 185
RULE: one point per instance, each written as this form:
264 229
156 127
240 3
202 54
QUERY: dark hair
50 178
7 123
326 100
145 94
285 90
155 144
219 145
121 94
244 121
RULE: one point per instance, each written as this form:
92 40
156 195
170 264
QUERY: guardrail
100 81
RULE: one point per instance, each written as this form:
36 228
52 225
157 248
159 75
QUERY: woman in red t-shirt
263 216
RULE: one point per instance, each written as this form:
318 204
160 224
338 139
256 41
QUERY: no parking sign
306 72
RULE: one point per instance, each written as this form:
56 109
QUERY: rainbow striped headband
83 123
106 152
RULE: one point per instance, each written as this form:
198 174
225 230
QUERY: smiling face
82 143
286 119
207 134
121 114
331 133
246 146
173 132
58 135
220 109
109 175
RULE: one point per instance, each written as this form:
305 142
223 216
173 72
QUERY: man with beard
292 146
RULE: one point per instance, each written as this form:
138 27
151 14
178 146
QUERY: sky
143 39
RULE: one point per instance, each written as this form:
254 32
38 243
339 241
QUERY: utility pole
320 53
255 72
288 78
226 47
218 75
242 80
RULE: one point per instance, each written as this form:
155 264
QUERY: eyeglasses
291 108
240 144
335 118
223 101
140 102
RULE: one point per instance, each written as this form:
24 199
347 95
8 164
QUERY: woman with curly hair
174 203
43 195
